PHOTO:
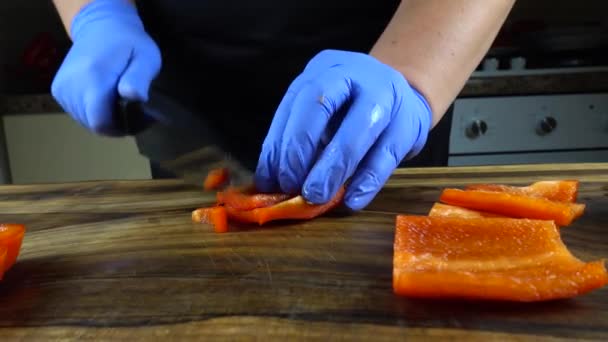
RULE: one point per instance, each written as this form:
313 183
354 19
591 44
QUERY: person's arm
437 44
393 96
67 9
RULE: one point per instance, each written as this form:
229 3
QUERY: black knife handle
130 117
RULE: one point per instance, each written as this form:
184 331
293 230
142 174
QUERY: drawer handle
546 125
476 128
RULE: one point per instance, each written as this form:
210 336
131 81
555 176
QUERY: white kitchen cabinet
51 147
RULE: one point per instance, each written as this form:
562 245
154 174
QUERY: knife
136 116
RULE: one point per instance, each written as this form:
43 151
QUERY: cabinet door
51 147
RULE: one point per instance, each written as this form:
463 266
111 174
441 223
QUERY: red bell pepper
554 190
216 179
295 208
446 210
241 200
247 206
514 205
488 258
215 216
11 237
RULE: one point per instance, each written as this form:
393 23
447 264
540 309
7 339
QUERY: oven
529 129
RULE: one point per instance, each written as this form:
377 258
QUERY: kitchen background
540 95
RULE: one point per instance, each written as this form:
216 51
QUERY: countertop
504 84
121 260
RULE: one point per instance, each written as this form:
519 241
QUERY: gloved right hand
111 55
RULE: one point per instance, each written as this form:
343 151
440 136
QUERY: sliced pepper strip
216 179
494 258
11 237
554 190
239 200
513 205
294 208
215 216
446 210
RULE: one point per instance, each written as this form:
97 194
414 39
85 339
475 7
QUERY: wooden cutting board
122 260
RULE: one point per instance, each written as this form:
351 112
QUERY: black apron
230 62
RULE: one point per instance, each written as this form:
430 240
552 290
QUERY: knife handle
130 117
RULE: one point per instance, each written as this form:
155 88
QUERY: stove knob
476 128
546 125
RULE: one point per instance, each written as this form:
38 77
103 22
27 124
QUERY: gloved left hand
381 120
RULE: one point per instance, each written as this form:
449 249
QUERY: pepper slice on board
11 237
216 179
513 205
488 258
446 210
215 216
245 205
554 190
291 209
241 200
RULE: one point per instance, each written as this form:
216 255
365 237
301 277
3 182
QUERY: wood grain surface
122 261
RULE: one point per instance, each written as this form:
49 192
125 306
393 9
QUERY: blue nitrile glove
111 54
384 121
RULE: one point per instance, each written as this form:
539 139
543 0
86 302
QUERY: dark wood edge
566 83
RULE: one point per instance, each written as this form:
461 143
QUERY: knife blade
192 167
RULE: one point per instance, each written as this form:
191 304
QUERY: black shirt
255 48
232 60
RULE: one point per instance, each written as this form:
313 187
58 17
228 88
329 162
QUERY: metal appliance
530 129
525 125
